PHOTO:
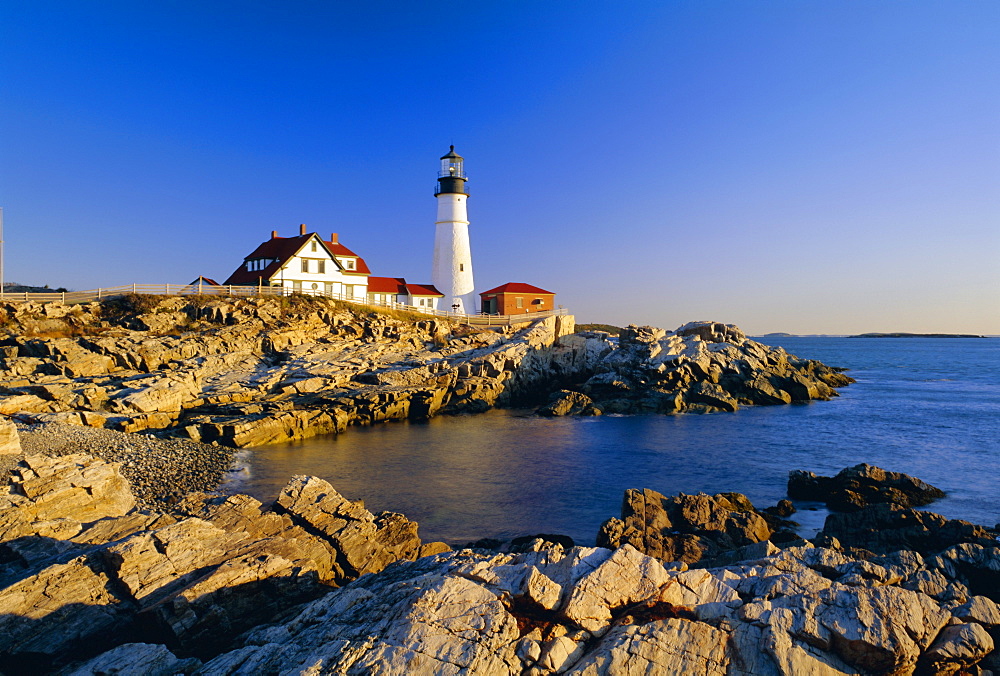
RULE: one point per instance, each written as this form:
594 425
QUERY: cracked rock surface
700 367
250 371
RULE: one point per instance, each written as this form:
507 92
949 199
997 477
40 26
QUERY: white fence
209 290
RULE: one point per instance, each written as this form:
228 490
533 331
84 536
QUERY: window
297 287
520 302
349 263
305 265
313 247
249 265
321 267
461 267
328 288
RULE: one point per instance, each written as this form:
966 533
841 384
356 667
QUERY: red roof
202 279
423 290
399 286
283 248
395 285
341 250
517 287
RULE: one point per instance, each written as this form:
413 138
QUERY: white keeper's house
305 264
312 265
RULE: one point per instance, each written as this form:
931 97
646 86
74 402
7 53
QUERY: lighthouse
452 271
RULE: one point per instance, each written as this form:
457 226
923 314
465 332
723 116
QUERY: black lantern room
451 177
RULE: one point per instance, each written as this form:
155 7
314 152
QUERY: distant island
780 334
916 335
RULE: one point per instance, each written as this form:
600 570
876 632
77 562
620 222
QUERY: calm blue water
927 407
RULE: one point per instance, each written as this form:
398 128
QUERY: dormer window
348 263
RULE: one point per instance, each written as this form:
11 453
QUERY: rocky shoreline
115 557
91 582
250 371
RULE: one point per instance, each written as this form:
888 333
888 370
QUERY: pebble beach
161 471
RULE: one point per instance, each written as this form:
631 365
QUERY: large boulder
686 528
244 514
567 402
885 527
54 496
957 648
364 542
975 566
856 487
68 608
201 585
137 659
880 630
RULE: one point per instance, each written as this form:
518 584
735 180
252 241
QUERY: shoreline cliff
247 372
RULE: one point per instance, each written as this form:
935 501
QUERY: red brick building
516 298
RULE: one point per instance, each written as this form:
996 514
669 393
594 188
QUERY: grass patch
301 301
401 315
613 330
130 304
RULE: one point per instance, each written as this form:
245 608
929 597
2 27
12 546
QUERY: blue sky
810 167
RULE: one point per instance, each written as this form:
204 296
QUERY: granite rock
55 496
887 527
703 367
364 542
856 487
686 528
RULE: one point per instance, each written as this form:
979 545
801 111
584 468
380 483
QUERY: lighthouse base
465 304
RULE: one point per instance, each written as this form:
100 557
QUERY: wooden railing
246 291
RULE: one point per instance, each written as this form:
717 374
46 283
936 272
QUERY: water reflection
501 474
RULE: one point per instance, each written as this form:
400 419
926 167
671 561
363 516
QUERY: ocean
929 407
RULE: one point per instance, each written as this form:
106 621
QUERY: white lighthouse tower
452 271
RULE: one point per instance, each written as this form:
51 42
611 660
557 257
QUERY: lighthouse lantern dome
452 165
